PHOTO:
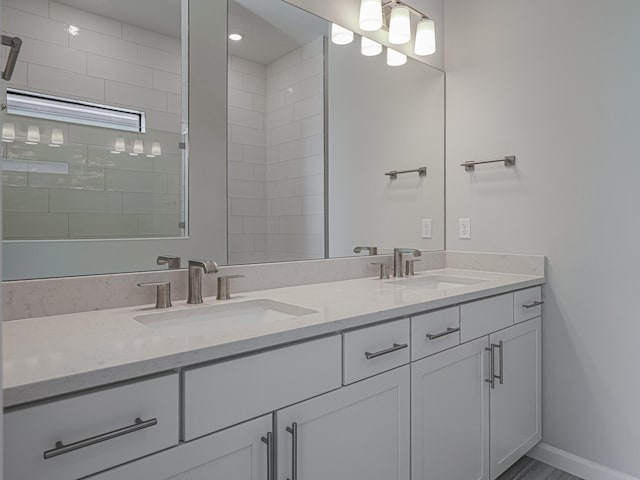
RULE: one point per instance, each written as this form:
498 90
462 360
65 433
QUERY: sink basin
222 317
438 282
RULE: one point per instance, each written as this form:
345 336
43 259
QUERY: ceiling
270 28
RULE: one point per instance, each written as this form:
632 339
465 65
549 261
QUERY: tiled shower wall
276 157
95 193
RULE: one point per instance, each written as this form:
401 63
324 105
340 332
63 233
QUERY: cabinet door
450 414
358 432
516 425
237 453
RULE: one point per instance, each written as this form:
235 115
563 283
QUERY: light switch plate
426 228
464 228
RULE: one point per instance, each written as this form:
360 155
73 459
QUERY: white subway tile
290 77
84 20
80 178
308 107
313 205
168 163
273 224
292 150
307 88
163 121
259 103
275 100
254 225
112 69
245 118
316 145
102 225
286 206
286 133
151 39
254 84
159 226
101 157
156 203
277 171
65 83
26 225
303 167
312 185
313 66
313 125
244 258
174 104
317 224
135 96
174 184
52 55
104 45
310 245
241 243
251 207
260 172
129 181
33 26
240 171
83 201
276 243
235 224
287 61
246 189
313 48
235 79
279 189
295 224
70 153
37 7
234 152
20 199
248 136
167 82
240 98
159 60
254 154
280 117
246 66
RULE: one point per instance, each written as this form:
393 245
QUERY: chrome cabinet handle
61 448
268 440
395 348
15 43
293 430
533 305
442 334
492 368
501 358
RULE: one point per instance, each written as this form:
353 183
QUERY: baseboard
578 466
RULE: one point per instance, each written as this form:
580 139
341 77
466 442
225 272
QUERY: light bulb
426 37
57 137
369 48
371 15
395 58
33 135
138 148
119 147
8 132
400 25
340 35
236 37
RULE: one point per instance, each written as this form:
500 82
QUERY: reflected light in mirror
395 58
369 48
371 15
138 148
156 150
119 146
340 35
57 138
400 25
8 132
33 135
426 37
236 37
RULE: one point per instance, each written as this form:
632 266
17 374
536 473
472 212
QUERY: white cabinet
238 453
450 414
358 432
486 316
516 400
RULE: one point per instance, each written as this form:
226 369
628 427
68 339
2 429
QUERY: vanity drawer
434 331
227 393
485 316
527 304
101 429
374 350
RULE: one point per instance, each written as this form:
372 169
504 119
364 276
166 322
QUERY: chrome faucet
397 259
371 250
196 268
171 261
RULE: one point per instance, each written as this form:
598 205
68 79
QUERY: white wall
556 83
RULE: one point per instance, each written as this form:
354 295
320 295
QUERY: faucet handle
384 275
172 261
163 293
410 266
224 293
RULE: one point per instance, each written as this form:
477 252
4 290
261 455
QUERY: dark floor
529 469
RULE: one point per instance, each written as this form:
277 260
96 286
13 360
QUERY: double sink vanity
433 376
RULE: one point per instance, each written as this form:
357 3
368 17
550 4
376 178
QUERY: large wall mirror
114 151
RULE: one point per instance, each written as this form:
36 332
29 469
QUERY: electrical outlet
426 228
464 228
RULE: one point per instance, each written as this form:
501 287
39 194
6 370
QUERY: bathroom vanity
434 376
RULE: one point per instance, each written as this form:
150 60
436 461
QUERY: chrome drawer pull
395 348
442 334
268 440
533 305
293 430
61 448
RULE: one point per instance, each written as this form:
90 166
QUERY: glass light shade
340 35
400 25
120 146
425 37
369 48
33 135
57 137
395 58
138 148
156 149
8 132
371 15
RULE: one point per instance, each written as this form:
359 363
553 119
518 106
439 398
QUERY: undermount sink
438 282
222 317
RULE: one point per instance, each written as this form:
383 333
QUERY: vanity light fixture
395 58
156 150
425 37
119 147
73 30
57 138
370 15
33 135
400 25
8 132
369 48
340 35
236 37
138 148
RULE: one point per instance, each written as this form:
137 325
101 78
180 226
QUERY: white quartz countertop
50 356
